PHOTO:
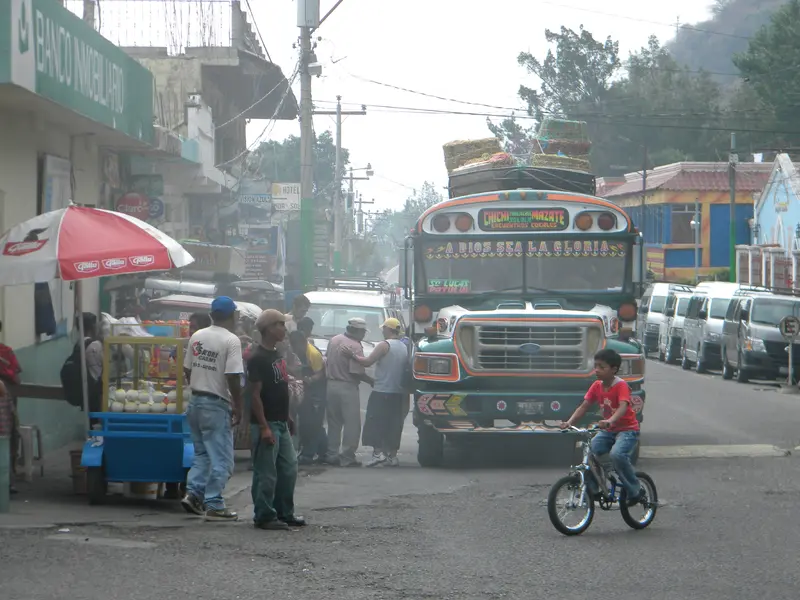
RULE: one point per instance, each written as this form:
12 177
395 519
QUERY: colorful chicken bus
513 294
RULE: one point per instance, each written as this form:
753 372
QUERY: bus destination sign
523 219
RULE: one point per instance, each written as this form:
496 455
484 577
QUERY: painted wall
22 141
779 210
678 259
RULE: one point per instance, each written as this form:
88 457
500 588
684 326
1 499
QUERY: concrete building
669 208
66 95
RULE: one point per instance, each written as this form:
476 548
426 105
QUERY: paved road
473 530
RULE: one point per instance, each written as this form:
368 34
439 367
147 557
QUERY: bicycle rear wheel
641 515
565 498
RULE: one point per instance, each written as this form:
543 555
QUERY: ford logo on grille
530 349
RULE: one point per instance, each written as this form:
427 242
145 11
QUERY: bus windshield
569 265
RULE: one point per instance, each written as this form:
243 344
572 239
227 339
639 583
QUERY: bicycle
610 492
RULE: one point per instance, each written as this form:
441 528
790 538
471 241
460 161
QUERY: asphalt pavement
477 528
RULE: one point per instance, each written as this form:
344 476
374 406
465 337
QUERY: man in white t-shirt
213 367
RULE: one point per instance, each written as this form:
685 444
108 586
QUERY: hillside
702 50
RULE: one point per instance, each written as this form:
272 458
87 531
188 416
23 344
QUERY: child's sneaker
640 497
392 461
221 515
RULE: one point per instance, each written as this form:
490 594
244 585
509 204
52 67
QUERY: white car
332 309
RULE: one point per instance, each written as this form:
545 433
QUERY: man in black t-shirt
274 457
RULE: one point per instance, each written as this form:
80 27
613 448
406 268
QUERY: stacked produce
459 153
146 399
564 145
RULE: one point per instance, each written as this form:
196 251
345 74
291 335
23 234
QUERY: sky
460 49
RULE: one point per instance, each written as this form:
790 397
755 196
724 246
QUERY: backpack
72 383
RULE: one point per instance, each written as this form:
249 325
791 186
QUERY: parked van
651 312
670 335
753 346
702 326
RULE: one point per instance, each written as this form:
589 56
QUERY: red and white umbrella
77 242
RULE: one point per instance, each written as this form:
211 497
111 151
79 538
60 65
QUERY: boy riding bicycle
620 426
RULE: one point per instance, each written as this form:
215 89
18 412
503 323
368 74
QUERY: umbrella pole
82 347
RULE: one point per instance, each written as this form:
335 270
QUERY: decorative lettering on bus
518 219
449 286
531 248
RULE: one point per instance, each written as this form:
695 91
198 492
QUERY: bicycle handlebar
591 429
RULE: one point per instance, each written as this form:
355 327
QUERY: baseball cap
392 323
357 323
223 305
269 317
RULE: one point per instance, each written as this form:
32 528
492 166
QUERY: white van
670 335
651 312
702 326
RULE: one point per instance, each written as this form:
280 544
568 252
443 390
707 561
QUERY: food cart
141 437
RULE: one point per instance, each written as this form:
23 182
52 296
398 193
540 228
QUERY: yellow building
672 195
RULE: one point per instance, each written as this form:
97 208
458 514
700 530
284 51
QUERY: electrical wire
258 31
270 124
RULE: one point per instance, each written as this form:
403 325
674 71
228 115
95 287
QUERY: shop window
682 232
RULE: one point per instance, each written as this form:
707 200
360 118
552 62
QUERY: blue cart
136 447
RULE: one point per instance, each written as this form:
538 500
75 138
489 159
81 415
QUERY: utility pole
733 159
361 204
338 208
642 252
307 20
696 226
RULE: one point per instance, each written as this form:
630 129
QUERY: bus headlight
632 366
442 367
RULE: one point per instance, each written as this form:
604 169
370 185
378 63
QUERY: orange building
670 199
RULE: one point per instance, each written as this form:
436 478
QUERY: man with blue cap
214 368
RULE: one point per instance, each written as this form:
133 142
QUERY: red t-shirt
610 400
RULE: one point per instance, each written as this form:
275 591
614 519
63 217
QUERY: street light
695 225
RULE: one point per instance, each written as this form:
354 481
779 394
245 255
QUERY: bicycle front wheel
641 515
569 506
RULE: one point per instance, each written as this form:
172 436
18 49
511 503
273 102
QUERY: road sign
790 328
261 200
286 197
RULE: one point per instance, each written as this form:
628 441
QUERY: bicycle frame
591 467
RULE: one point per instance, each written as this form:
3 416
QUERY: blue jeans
209 419
274 474
620 447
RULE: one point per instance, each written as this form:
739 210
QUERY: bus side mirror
406 267
744 316
670 312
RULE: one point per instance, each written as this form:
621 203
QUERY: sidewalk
49 501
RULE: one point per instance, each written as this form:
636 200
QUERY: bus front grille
529 347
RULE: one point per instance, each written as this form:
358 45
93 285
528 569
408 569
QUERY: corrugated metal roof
701 177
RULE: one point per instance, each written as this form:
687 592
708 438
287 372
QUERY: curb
715 451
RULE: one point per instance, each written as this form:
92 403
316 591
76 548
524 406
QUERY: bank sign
48 50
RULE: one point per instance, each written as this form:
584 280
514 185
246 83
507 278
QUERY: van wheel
700 365
685 364
741 374
727 370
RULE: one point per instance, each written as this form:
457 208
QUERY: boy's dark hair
202 319
301 301
306 325
610 357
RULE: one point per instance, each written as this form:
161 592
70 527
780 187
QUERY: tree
673 112
392 227
280 161
770 67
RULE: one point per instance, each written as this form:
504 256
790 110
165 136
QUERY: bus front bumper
506 412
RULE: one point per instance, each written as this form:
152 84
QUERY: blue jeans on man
620 447
274 475
209 419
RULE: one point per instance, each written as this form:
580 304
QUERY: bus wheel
431 447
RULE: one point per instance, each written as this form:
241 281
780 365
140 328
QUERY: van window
683 305
719 307
693 310
769 311
658 304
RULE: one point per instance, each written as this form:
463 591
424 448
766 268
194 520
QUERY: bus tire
430 452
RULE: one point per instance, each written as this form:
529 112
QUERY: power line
258 31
